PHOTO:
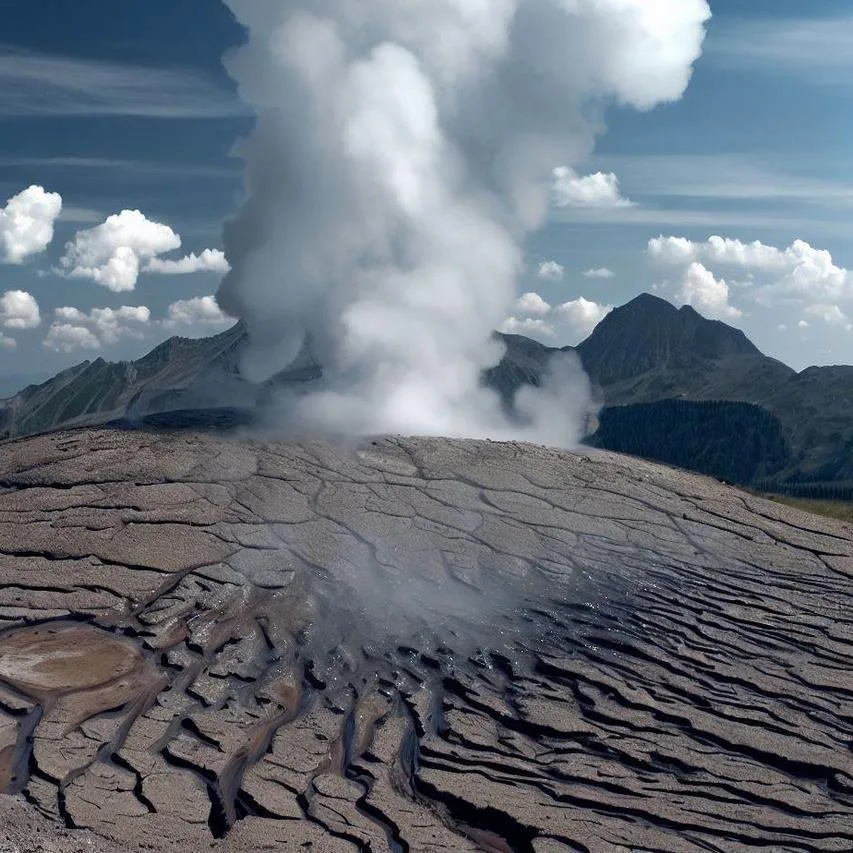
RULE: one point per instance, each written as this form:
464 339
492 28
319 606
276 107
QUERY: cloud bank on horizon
401 154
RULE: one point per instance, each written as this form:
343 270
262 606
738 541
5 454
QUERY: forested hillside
737 442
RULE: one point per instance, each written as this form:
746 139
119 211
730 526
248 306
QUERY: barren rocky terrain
413 645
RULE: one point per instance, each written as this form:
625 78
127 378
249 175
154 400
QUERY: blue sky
127 107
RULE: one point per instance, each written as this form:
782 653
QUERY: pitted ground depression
413 645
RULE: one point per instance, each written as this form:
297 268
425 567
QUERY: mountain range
673 385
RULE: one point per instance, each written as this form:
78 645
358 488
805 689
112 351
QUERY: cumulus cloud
6 342
582 315
210 260
111 254
75 329
599 272
550 271
799 269
530 327
26 224
374 223
66 337
19 310
708 295
114 253
600 190
532 304
673 250
566 323
200 310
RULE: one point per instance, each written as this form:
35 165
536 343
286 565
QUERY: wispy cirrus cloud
728 177
36 84
147 168
642 216
816 49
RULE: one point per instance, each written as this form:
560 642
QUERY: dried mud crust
413 645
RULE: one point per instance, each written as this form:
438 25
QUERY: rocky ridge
415 644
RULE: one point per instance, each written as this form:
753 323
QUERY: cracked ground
413 645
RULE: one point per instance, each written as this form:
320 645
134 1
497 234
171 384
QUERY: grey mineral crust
413 644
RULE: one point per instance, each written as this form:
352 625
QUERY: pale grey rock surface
413 644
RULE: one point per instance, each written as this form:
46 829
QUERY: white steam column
402 152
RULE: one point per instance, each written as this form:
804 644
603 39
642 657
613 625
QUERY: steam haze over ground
401 155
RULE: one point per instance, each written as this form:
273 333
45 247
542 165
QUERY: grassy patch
842 510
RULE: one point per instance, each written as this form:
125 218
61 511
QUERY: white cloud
550 271
7 342
34 84
800 269
201 310
600 272
750 256
19 310
708 295
600 189
531 327
568 322
115 253
582 315
672 250
66 337
532 304
26 224
210 260
111 253
803 324
105 325
832 315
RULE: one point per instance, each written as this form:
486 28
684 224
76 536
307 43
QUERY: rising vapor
402 152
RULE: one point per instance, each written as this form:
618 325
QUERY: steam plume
402 151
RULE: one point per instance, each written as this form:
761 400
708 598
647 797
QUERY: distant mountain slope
649 334
646 351
97 391
649 350
11 383
524 363
184 375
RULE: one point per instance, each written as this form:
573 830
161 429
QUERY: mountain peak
649 302
649 333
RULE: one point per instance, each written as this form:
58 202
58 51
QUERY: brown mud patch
71 672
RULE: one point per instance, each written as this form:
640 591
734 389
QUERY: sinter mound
414 644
